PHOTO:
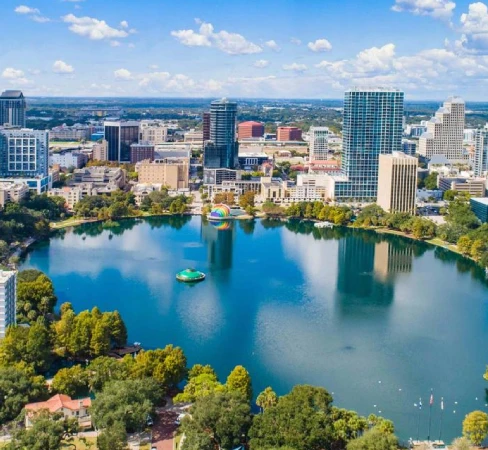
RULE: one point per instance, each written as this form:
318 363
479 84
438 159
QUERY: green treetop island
190 276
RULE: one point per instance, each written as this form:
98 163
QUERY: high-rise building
481 153
120 135
170 172
372 126
445 131
206 126
397 182
100 151
288 134
12 109
141 152
8 300
319 143
247 130
153 131
409 147
24 153
222 148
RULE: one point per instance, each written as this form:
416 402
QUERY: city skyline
429 49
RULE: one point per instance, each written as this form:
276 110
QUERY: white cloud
40 19
124 24
320 45
123 74
474 26
22 9
231 43
62 68
439 9
295 67
115 44
376 59
295 41
272 44
15 76
92 28
261 63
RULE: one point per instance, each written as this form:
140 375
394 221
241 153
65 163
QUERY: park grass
89 443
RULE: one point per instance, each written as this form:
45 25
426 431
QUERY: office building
12 109
194 137
481 153
100 151
475 187
76 132
218 176
153 131
372 126
71 195
100 176
120 136
8 300
206 126
409 147
12 192
397 182
480 208
445 131
170 172
24 153
69 159
288 134
141 152
222 148
248 130
319 143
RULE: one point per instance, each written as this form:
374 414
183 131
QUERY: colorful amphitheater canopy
220 211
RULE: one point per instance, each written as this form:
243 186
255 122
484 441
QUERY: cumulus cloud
295 67
124 24
15 76
474 26
439 9
92 28
122 74
261 63
272 44
231 43
320 45
22 9
62 68
376 59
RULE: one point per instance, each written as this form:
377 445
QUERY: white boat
323 225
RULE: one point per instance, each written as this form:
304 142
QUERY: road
164 429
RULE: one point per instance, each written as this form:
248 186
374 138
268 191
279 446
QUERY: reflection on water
339 307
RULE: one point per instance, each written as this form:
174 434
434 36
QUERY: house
62 404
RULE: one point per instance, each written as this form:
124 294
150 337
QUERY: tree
104 369
47 433
300 419
35 296
267 399
461 443
430 181
219 420
198 387
199 369
100 338
71 381
239 380
113 438
374 439
347 425
19 385
475 427
127 402
38 347
478 247
464 245
4 250
118 330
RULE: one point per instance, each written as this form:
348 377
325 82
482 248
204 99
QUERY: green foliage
127 402
19 385
104 369
247 199
374 439
449 195
199 386
371 215
300 419
199 369
35 296
47 433
464 245
239 380
461 443
4 250
159 201
113 438
347 425
272 209
72 381
475 427
267 398
219 420
430 181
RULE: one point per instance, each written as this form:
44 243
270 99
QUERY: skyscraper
24 153
319 143
8 300
481 152
120 136
397 182
445 131
206 126
221 150
372 126
12 109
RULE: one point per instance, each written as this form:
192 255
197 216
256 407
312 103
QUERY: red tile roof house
62 404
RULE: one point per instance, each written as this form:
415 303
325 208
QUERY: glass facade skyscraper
12 109
120 136
481 152
372 126
221 150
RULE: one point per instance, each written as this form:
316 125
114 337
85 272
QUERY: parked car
179 418
149 421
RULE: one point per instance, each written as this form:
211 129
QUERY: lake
378 320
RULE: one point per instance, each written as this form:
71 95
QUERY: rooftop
374 89
12 94
482 200
59 401
5 275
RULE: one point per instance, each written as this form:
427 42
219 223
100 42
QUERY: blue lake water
377 320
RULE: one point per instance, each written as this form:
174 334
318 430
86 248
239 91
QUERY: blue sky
266 48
